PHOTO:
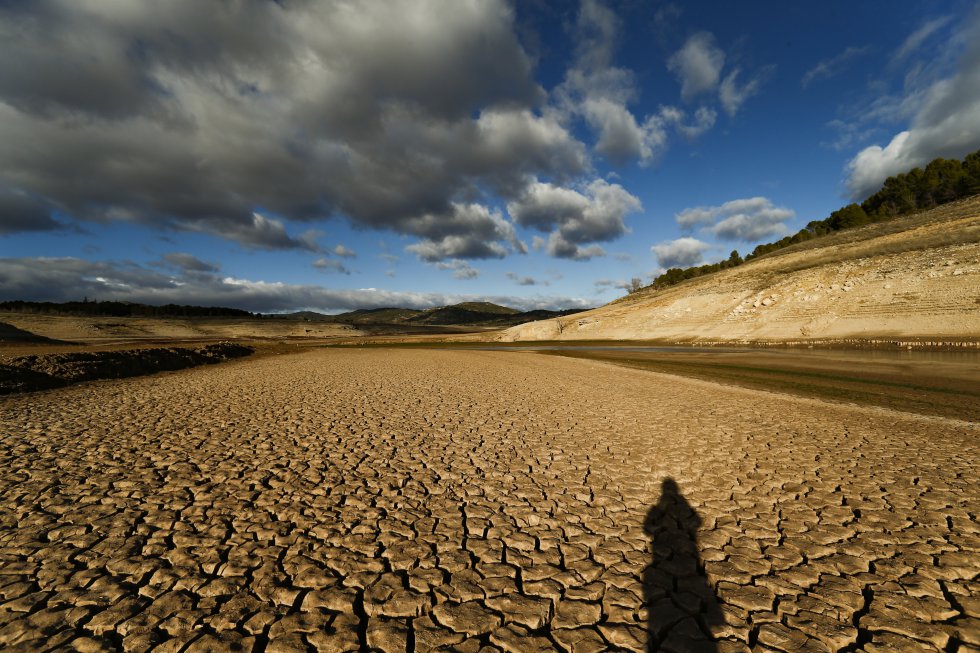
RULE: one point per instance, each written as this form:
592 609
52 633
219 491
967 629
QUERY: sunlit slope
918 276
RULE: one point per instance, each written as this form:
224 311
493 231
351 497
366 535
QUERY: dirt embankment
44 371
915 279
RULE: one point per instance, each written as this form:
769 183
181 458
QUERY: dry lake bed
399 500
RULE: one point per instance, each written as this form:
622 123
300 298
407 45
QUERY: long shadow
682 607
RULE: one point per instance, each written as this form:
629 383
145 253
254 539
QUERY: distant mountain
486 307
476 314
465 313
374 316
304 316
119 309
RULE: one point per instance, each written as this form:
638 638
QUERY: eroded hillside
917 277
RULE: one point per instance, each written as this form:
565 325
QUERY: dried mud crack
420 500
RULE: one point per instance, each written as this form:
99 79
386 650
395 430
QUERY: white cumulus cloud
749 219
946 124
697 65
680 253
599 93
574 218
733 95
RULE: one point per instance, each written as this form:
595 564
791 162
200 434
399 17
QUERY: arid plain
415 500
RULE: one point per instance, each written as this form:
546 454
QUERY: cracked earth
417 500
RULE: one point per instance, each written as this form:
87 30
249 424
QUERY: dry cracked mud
415 500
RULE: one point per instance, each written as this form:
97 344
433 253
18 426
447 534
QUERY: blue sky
331 156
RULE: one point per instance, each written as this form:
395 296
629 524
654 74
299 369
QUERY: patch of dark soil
10 333
44 371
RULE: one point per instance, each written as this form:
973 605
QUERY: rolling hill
485 314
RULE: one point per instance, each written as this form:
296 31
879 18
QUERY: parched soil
410 500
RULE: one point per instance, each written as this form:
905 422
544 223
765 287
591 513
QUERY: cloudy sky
334 154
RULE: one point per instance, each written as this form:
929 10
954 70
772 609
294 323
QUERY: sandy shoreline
334 499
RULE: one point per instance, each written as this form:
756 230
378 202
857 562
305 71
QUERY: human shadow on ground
682 608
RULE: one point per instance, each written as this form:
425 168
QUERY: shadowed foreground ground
394 499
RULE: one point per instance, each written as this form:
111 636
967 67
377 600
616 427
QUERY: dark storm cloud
236 119
189 262
522 280
66 279
330 265
680 253
461 269
468 231
19 212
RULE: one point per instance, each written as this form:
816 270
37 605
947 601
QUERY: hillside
368 316
486 307
467 313
915 277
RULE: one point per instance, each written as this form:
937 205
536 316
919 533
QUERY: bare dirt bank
44 371
912 281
